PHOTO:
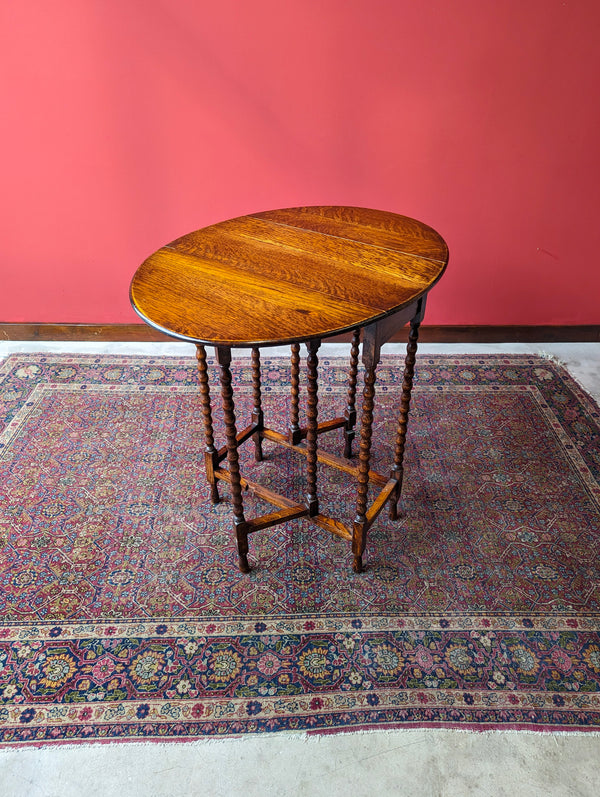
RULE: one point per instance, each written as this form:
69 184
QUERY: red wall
129 122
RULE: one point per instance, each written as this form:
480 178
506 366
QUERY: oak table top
287 275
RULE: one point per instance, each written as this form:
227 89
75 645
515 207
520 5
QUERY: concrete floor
436 763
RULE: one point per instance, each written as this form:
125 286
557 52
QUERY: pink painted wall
126 123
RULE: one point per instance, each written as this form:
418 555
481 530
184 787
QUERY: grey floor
444 763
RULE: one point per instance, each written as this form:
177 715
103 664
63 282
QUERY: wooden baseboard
82 332
428 334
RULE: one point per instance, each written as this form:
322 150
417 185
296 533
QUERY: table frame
374 336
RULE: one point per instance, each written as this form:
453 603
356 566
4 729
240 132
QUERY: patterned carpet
123 614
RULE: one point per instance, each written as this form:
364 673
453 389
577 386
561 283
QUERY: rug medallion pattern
123 614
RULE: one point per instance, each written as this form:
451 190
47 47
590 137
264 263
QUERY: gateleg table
286 277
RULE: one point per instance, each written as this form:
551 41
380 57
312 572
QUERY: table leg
312 362
241 529
359 537
294 436
210 453
409 370
350 413
257 413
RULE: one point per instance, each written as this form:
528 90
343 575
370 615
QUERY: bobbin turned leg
361 526
409 370
241 528
350 413
257 413
294 433
210 454
312 501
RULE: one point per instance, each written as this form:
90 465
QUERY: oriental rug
123 615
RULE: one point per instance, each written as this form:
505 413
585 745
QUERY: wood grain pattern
286 276
374 227
269 495
380 501
275 518
334 526
288 253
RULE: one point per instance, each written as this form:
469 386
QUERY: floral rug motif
123 614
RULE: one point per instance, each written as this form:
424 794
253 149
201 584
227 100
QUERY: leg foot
358 564
215 498
244 566
241 534
348 445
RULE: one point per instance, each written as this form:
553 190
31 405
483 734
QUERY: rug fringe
548 356
301 737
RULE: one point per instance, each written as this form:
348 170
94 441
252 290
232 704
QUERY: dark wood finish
359 537
275 518
240 438
517 333
409 370
287 276
350 414
334 526
241 528
329 426
294 431
142 333
380 501
257 413
266 494
312 362
211 459
325 426
345 465
30 332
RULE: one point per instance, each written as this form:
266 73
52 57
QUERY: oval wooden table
285 277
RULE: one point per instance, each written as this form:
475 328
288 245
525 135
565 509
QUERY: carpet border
576 388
